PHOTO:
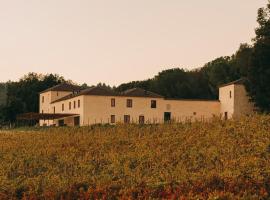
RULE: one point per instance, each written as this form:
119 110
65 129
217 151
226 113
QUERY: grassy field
217 160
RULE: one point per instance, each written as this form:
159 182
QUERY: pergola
43 116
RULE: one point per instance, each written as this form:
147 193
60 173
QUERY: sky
117 41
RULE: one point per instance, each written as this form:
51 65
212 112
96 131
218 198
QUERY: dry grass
229 160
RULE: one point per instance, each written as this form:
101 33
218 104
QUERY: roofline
181 99
77 95
50 89
47 90
236 82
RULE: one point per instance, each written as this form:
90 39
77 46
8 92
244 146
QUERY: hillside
196 161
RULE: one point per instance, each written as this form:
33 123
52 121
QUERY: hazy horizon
92 41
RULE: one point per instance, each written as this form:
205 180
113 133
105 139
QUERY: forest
250 61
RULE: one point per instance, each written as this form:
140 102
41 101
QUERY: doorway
61 122
141 119
77 121
167 116
226 115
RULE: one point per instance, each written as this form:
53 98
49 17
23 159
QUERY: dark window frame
129 103
141 119
113 102
126 119
63 107
79 103
69 105
74 104
153 103
113 119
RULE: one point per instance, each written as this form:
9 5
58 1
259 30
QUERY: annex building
70 105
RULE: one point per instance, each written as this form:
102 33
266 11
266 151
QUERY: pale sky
116 41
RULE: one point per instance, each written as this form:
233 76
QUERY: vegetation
23 96
250 61
213 160
259 66
2 94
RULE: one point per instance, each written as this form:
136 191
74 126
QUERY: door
141 119
61 122
226 115
77 121
167 116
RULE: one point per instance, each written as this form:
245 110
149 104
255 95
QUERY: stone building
74 106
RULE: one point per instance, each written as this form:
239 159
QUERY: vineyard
213 160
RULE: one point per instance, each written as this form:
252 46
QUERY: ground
215 160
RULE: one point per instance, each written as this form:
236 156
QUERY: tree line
251 62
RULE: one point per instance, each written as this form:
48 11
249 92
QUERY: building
74 106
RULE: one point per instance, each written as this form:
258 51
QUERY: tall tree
23 96
259 70
219 71
241 60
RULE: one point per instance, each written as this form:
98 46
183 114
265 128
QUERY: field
215 160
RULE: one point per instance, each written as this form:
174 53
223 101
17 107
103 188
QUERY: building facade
97 105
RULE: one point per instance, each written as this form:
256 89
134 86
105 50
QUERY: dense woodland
251 62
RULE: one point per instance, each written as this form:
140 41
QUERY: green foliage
3 93
214 160
23 96
175 83
259 70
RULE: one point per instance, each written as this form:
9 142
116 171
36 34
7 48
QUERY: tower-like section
52 94
234 100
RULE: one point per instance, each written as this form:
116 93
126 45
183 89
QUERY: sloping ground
230 160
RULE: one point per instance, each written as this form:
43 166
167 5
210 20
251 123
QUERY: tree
241 60
23 96
219 71
259 71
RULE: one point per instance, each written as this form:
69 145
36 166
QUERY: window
126 119
57 93
79 103
69 105
42 99
112 102
129 103
63 107
112 119
54 109
226 115
42 111
153 104
194 113
74 104
141 119
230 94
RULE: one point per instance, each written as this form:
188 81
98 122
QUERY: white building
70 105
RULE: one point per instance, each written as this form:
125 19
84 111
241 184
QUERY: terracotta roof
138 92
240 81
96 90
182 99
64 87
100 91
